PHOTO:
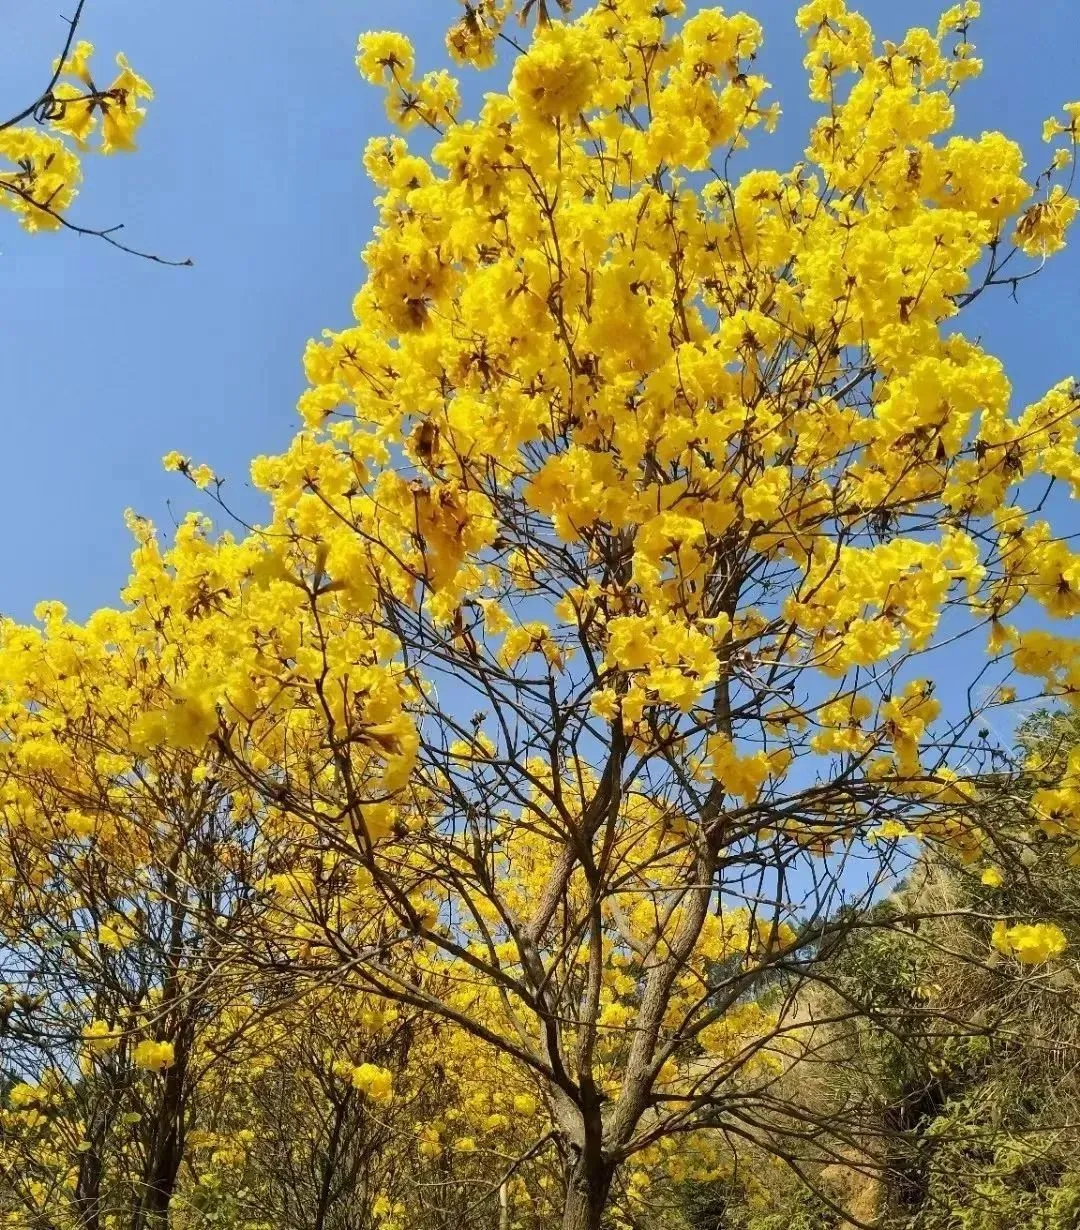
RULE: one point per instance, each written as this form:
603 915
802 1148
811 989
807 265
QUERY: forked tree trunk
588 1182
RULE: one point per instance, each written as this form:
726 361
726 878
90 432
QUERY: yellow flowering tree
127 891
301 1128
579 690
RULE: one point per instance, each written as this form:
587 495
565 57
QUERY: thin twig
108 233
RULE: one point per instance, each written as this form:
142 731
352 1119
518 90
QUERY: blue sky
250 164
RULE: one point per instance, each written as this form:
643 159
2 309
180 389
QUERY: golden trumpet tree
127 881
580 687
304 1125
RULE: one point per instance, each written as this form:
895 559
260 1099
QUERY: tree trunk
88 1186
588 1181
330 1163
166 1146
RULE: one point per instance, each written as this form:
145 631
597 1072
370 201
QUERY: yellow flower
605 704
429 1143
1041 229
154 1056
383 55
101 1037
78 62
891 830
22 1095
79 823
1029 943
375 1083
202 476
742 776
555 77
122 116
115 932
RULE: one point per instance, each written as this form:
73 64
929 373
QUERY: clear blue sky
250 164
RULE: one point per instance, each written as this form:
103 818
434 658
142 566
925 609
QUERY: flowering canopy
591 632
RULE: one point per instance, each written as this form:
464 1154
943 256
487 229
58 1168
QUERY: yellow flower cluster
375 1083
1057 807
154 1056
101 1037
1029 943
47 170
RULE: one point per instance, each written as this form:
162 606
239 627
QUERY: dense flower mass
603 589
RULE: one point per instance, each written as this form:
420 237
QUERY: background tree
965 1068
126 879
309 1124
